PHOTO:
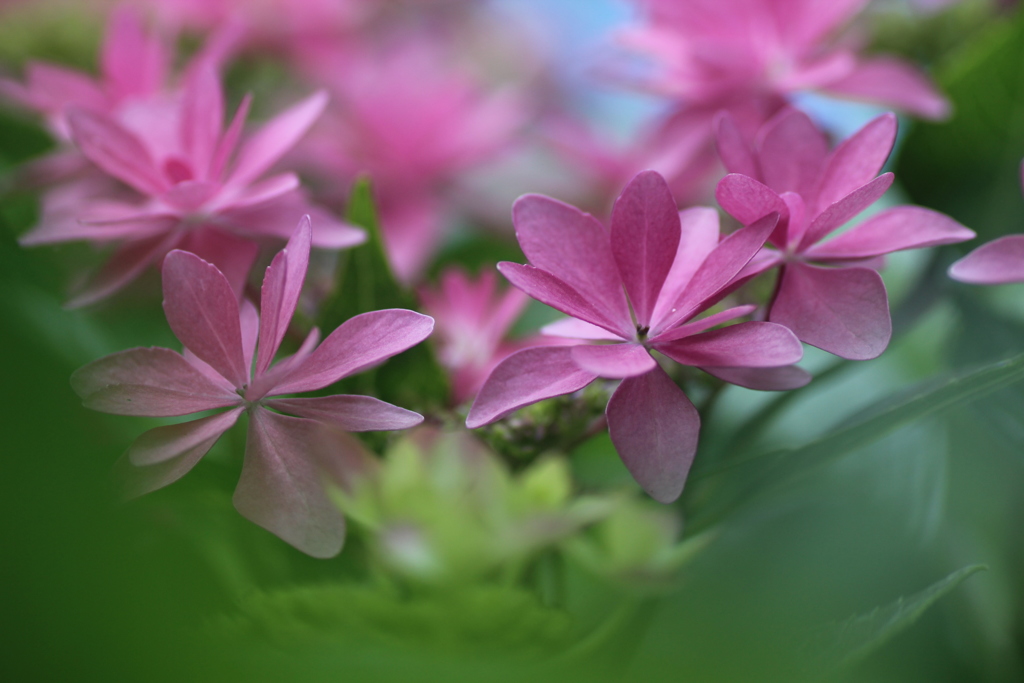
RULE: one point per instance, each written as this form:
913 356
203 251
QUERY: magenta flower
189 184
281 485
639 286
828 293
998 262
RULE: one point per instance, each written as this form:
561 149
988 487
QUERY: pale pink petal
274 139
115 150
189 195
748 200
282 488
98 230
276 218
574 247
856 161
573 328
282 285
232 255
526 377
124 265
164 443
359 343
998 262
613 361
733 148
747 345
699 237
786 378
132 63
548 289
351 413
844 311
895 83
202 311
791 153
229 141
901 227
134 481
846 208
264 190
202 118
655 429
705 323
153 382
645 230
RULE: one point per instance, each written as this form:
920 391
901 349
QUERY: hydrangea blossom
228 363
828 293
641 286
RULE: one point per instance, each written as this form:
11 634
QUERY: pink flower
187 186
827 293
639 286
998 262
281 486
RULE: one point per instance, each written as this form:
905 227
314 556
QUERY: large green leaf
848 642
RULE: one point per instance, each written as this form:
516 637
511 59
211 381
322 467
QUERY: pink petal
173 441
249 321
699 237
132 63
548 289
573 328
655 428
846 208
153 382
747 345
613 361
748 200
189 195
202 311
998 262
791 153
705 323
268 380
282 285
901 227
895 83
233 256
282 488
126 264
359 343
202 118
645 231
786 378
351 413
276 218
275 138
733 148
575 248
844 311
98 229
526 377
230 139
115 150
856 161
136 481
265 190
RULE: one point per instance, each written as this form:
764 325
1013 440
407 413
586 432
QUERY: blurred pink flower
827 293
291 443
641 286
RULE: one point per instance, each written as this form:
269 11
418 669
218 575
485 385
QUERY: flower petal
655 429
359 343
844 311
575 248
785 378
706 323
614 361
232 255
202 311
115 150
856 161
846 208
173 441
748 200
732 148
133 64
574 328
895 83
282 488
526 377
901 227
645 231
748 345
791 153
282 285
153 382
699 234
351 413
124 265
998 262
202 118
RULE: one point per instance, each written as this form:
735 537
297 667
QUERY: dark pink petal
578 329
706 323
202 311
613 361
746 345
173 441
282 488
698 238
998 262
249 321
645 233
575 248
856 161
901 227
126 264
791 153
786 378
359 343
732 148
351 413
152 382
526 377
748 200
893 82
202 118
268 380
282 285
548 289
275 138
846 208
115 150
655 428
844 311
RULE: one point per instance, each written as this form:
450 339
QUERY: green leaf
847 642
412 379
